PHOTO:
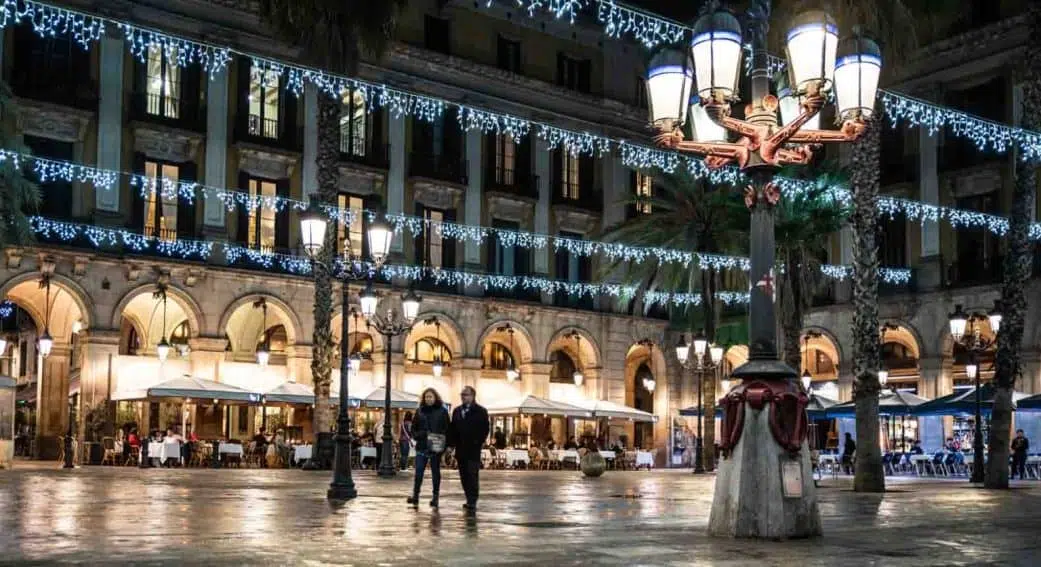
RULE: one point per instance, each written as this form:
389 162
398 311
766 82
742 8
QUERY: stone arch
944 339
825 343
586 355
354 329
907 336
451 334
243 323
638 357
190 308
69 302
735 356
523 349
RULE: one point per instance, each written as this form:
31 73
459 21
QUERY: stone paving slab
110 515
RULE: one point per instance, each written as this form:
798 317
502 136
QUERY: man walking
1020 445
467 434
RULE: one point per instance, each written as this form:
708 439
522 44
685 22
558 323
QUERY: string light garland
184 52
51 21
6 308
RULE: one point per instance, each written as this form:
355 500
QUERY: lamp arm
720 114
799 155
851 130
717 154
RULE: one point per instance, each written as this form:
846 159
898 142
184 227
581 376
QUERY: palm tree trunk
864 177
708 379
328 182
1017 272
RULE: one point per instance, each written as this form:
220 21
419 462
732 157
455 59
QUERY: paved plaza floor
109 515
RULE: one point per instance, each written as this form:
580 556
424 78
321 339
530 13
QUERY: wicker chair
110 455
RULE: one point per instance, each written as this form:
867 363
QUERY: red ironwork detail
788 422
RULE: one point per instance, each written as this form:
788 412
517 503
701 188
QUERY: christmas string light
894 276
6 309
560 9
642 157
183 52
51 21
487 122
574 143
649 30
102 237
49 170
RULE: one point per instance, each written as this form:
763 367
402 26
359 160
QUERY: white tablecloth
230 449
367 452
301 453
564 455
828 458
608 455
513 456
644 458
164 450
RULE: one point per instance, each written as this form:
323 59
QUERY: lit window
505 159
163 82
262 219
569 176
353 124
161 201
354 230
643 193
435 242
498 357
361 343
428 349
263 103
563 368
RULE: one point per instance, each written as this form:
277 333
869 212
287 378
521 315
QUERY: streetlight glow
716 50
578 377
883 376
857 71
312 229
807 379
45 343
958 320
410 305
994 317
162 350
971 369
682 350
667 74
811 43
368 300
380 237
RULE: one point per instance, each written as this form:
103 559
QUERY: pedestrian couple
434 432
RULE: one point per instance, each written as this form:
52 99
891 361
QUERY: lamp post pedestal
699 458
387 469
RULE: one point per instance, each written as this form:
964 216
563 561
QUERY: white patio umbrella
604 408
398 399
532 405
290 393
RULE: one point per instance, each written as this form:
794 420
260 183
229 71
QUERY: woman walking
429 430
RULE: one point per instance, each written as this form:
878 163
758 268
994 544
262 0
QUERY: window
569 182
262 219
644 185
179 336
498 357
435 242
503 258
563 368
509 53
437 35
641 93
428 349
573 73
275 338
263 103
897 356
361 343
505 159
353 124
163 86
354 230
161 201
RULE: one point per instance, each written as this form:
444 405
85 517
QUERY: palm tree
332 35
17 194
1017 268
684 214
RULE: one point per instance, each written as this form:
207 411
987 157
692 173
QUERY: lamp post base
699 462
341 492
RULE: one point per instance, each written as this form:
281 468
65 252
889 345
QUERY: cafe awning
290 393
604 408
398 399
889 403
963 403
818 407
532 405
190 387
7 382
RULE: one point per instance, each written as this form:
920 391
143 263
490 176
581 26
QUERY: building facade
245 130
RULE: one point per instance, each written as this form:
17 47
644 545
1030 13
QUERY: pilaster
216 172
474 193
397 172
110 122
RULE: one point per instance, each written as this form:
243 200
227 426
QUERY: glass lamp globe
312 229
807 379
715 354
669 81
994 317
380 237
162 350
355 363
857 70
971 369
811 43
45 343
512 375
368 300
410 305
3 344
705 129
883 376
437 368
958 320
263 356
578 377
682 350
716 49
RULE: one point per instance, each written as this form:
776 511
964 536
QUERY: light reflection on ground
118 515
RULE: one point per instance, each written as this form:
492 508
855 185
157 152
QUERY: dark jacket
468 434
428 419
1020 445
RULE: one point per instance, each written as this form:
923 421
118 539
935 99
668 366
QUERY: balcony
271 132
518 293
61 88
578 196
517 183
439 167
167 234
170 110
376 156
968 272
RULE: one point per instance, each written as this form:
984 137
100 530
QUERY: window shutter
557 175
137 202
288 132
453 136
191 93
523 166
376 132
585 72
186 207
522 261
242 224
140 101
493 254
420 240
449 244
242 116
282 219
561 64
585 175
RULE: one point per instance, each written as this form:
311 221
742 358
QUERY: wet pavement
109 515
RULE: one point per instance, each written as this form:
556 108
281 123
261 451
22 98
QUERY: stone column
542 170
935 382
474 195
207 357
97 373
52 400
470 372
110 126
216 172
397 173
298 363
310 165
930 267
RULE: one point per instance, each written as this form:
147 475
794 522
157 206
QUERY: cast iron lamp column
313 225
763 144
976 345
705 359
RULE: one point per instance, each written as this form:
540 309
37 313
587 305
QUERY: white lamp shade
369 300
263 356
380 237
715 353
716 50
682 350
669 81
806 380
883 376
649 384
705 129
437 368
971 369
355 364
578 378
3 345
725 385
410 306
512 375
700 344
312 231
993 317
957 322
857 72
77 326
45 343
791 108
162 350
812 42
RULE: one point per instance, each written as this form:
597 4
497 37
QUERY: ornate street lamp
512 374
264 348
707 358
711 71
162 349
975 344
807 379
578 377
438 366
46 342
313 225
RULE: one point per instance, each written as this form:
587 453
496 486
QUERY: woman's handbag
436 442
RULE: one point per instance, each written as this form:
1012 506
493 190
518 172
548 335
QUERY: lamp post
711 70
975 344
578 377
264 348
313 225
706 358
390 324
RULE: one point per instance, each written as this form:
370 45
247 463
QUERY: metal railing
438 166
263 127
